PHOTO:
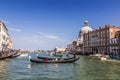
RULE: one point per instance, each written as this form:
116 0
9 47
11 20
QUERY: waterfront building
57 49
115 45
69 47
99 40
5 40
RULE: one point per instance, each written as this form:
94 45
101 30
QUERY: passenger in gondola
0 54
67 55
46 59
53 59
74 55
61 59
56 59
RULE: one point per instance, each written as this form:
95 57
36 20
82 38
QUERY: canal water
21 68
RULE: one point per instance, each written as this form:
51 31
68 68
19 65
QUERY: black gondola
39 57
54 61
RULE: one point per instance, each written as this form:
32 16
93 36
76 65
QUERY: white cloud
14 29
42 33
52 37
38 41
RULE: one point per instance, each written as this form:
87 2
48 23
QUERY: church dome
83 30
86 27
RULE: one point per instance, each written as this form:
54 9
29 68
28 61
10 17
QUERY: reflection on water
52 71
3 69
21 68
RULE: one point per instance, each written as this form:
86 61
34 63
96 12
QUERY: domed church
86 28
83 30
77 45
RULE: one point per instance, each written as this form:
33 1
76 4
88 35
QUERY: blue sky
45 24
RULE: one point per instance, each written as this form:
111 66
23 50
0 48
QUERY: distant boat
114 57
24 55
96 56
54 61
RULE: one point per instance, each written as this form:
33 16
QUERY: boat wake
23 55
113 60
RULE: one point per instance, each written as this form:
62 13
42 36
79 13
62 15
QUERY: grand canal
21 68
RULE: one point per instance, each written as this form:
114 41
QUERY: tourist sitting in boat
74 56
46 59
56 59
67 55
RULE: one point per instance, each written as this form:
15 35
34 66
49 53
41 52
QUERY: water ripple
21 68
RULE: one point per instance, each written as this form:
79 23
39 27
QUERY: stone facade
5 40
115 45
98 40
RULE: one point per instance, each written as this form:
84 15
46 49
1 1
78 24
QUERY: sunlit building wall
5 40
98 40
115 44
